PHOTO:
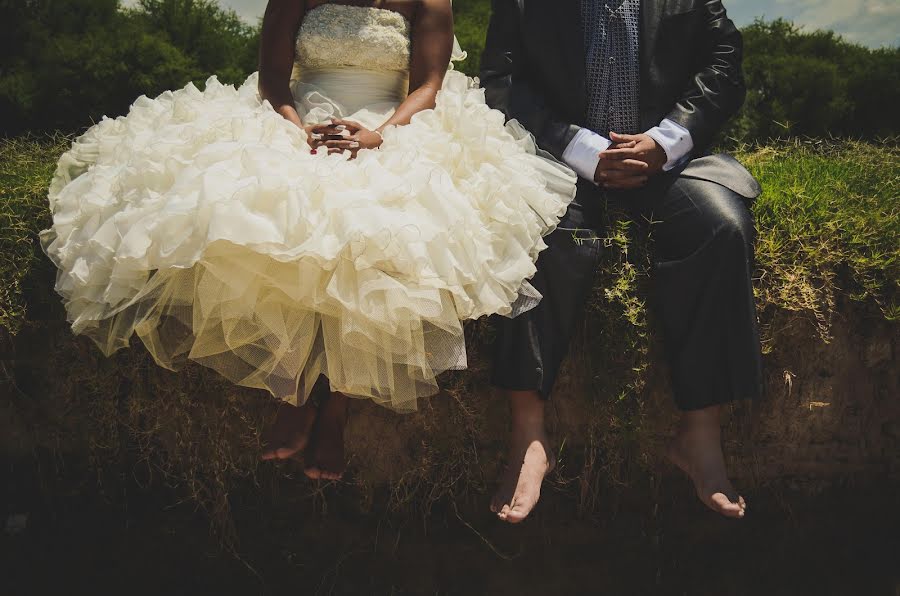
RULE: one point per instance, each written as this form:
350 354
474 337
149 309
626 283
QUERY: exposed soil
99 453
843 542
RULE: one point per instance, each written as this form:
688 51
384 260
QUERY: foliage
67 63
816 84
470 20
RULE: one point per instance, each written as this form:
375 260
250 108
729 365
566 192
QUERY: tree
815 84
67 63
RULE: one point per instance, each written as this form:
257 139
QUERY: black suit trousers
702 238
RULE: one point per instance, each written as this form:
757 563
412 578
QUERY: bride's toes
290 433
325 456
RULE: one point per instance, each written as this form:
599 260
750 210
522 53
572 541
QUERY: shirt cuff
582 154
675 140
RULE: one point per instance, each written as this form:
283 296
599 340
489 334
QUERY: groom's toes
519 512
516 516
726 506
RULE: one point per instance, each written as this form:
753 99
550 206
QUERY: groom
631 94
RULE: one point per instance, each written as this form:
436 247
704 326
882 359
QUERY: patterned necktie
612 64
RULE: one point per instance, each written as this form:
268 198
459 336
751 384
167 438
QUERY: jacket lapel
651 14
571 41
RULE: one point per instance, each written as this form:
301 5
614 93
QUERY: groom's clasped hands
629 162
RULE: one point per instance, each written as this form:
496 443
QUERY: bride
339 214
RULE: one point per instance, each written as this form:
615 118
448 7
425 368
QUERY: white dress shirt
583 152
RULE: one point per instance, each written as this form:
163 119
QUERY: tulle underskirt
201 223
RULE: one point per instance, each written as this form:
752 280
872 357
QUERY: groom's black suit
533 69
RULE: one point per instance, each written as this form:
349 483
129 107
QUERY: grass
26 165
829 224
828 220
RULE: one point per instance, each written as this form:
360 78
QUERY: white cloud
873 23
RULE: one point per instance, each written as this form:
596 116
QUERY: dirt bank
98 452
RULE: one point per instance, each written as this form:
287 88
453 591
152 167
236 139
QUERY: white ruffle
202 223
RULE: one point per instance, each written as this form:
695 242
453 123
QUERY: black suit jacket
533 69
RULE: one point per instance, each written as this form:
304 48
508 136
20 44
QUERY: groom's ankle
526 409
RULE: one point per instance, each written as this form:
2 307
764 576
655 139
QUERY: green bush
67 63
816 84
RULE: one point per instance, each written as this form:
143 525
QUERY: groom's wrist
583 152
675 140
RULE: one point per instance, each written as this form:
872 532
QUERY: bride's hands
353 137
314 133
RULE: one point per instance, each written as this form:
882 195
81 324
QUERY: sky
874 23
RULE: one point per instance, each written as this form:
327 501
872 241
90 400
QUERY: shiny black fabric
702 295
532 68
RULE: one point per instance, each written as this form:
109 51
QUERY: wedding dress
202 223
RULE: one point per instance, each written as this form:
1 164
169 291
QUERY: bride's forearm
289 113
421 99
281 99
276 55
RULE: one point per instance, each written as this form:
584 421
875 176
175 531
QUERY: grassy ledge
829 224
26 166
828 220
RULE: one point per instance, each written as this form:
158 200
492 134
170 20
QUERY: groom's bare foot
290 432
325 455
697 450
530 460
520 487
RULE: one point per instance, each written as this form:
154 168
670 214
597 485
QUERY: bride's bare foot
290 432
697 450
530 460
325 455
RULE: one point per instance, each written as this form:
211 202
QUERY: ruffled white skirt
202 223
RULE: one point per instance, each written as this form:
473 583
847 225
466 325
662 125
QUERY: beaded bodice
339 36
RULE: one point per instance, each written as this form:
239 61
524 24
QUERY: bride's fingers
353 127
342 145
351 152
328 132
